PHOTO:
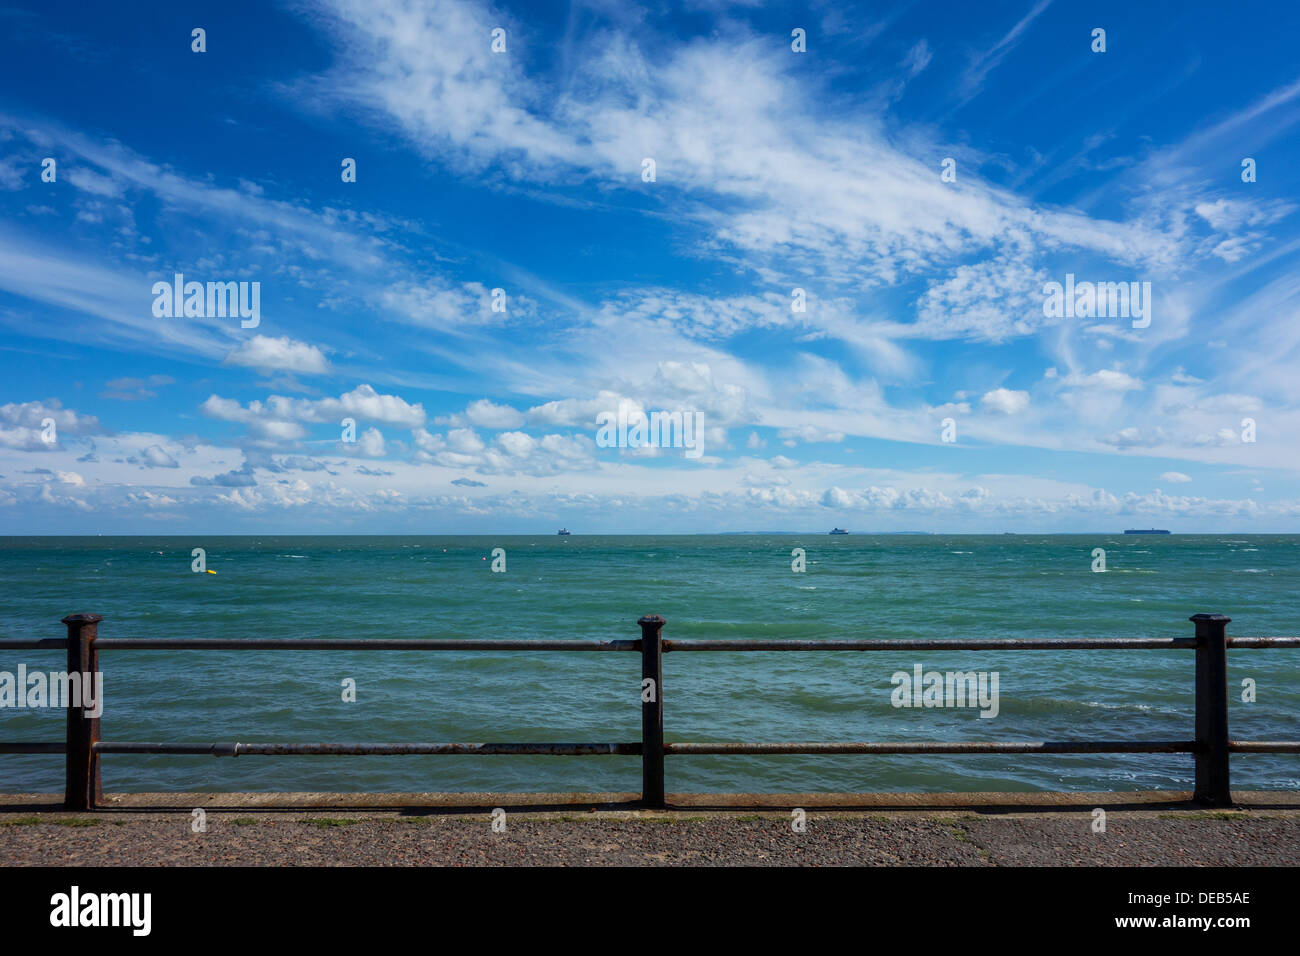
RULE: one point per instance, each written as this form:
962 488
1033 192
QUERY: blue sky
524 171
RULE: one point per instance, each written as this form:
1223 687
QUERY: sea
740 586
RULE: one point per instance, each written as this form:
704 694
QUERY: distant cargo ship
563 531
1145 531
838 531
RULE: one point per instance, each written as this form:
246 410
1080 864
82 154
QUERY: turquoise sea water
717 586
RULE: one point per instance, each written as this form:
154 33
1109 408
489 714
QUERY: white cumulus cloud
281 354
1004 401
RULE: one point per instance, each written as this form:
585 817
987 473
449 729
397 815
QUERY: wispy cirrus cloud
797 271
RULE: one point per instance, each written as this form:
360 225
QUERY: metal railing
1210 744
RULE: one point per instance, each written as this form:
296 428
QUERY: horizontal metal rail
417 644
53 747
49 643
989 644
1265 746
369 750
340 644
939 747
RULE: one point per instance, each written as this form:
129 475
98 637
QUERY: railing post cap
82 619
1210 617
651 619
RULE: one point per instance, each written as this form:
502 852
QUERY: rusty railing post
1212 783
652 712
82 788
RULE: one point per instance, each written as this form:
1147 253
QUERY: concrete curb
542 802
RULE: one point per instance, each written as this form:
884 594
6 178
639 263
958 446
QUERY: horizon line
597 534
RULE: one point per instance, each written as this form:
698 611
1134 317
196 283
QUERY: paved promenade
550 830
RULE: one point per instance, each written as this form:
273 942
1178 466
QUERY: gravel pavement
651 838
